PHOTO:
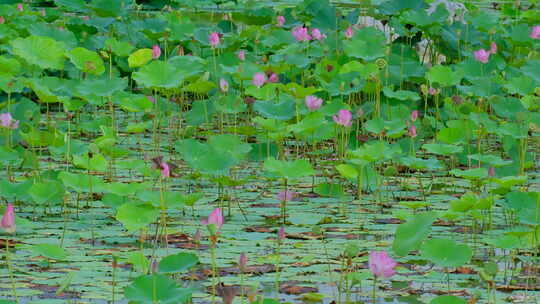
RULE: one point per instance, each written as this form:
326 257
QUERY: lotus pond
213 151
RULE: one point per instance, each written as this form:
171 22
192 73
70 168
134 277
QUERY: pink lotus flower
300 33
412 131
313 103
215 218
349 32
151 98
493 48
2 20
156 51
286 196
242 262
242 55
273 78
165 169
8 220
281 234
316 34
491 172
280 21
414 115
214 39
20 7
7 121
344 118
381 264
259 79
482 55
223 85
432 91
535 33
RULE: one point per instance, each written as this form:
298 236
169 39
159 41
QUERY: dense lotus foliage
213 151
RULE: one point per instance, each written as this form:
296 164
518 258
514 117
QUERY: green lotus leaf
44 52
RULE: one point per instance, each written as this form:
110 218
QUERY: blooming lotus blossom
156 51
316 34
285 196
432 91
414 115
313 103
491 172
20 7
151 98
349 32
280 21
242 262
412 131
381 264
493 48
7 121
259 79
215 218
343 118
214 39
242 55
273 78
535 32
482 55
8 219
223 85
300 33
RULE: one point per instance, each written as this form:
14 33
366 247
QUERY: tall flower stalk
213 224
8 225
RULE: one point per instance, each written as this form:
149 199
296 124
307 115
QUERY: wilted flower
482 55
285 195
535 32
359 112
7 121
281 234
349 32
300 33
381 264
313 103
156 51
344 118
223 85
242 262
215 218
414 115
259 79
242 55
280 21
214 39
8 220
197 236
316 34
